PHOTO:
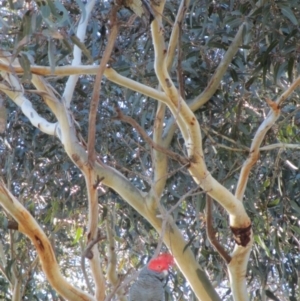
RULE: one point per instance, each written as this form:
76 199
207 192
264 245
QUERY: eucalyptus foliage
37 171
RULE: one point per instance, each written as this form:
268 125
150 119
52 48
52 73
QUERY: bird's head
161 263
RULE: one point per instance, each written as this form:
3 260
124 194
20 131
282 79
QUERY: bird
150 283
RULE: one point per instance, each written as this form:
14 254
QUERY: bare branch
30 228
80 34
279 145
166 214
93 233
112 274
173 43
159 159
295 84
179 71
211 234
214 82
258 138
122 285
220 144
141 131
87 253
97 86
109 72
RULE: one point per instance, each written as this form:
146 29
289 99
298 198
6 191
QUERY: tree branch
173 43
140 130
211 234
80 34
279 145
93 233
97 86
214 82
159 159
254 149
30 228
112 274
166 214
179 71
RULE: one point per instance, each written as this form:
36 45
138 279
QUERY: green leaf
295 206
289 130
290 68
279 71
62 15
261 243
272 45
25 63
234 75
266 183
82 47
273 203
44 9
256 12
51 55
78 235
189 243
286 11
295 229
26 27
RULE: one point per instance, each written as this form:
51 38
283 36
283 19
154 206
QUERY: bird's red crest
161 262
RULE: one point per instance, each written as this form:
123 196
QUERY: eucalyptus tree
125 135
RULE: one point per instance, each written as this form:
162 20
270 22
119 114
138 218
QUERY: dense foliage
37 171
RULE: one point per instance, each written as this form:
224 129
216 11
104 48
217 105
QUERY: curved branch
29 227
295 84
25 105
261 132
175 31
215 80
254 149
80 34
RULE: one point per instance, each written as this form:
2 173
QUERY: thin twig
122 284
213 141
207 129
165 217
98 182
156 146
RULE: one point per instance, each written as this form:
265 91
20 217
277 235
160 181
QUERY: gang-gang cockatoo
150 283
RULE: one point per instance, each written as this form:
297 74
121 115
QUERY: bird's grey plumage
148 287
